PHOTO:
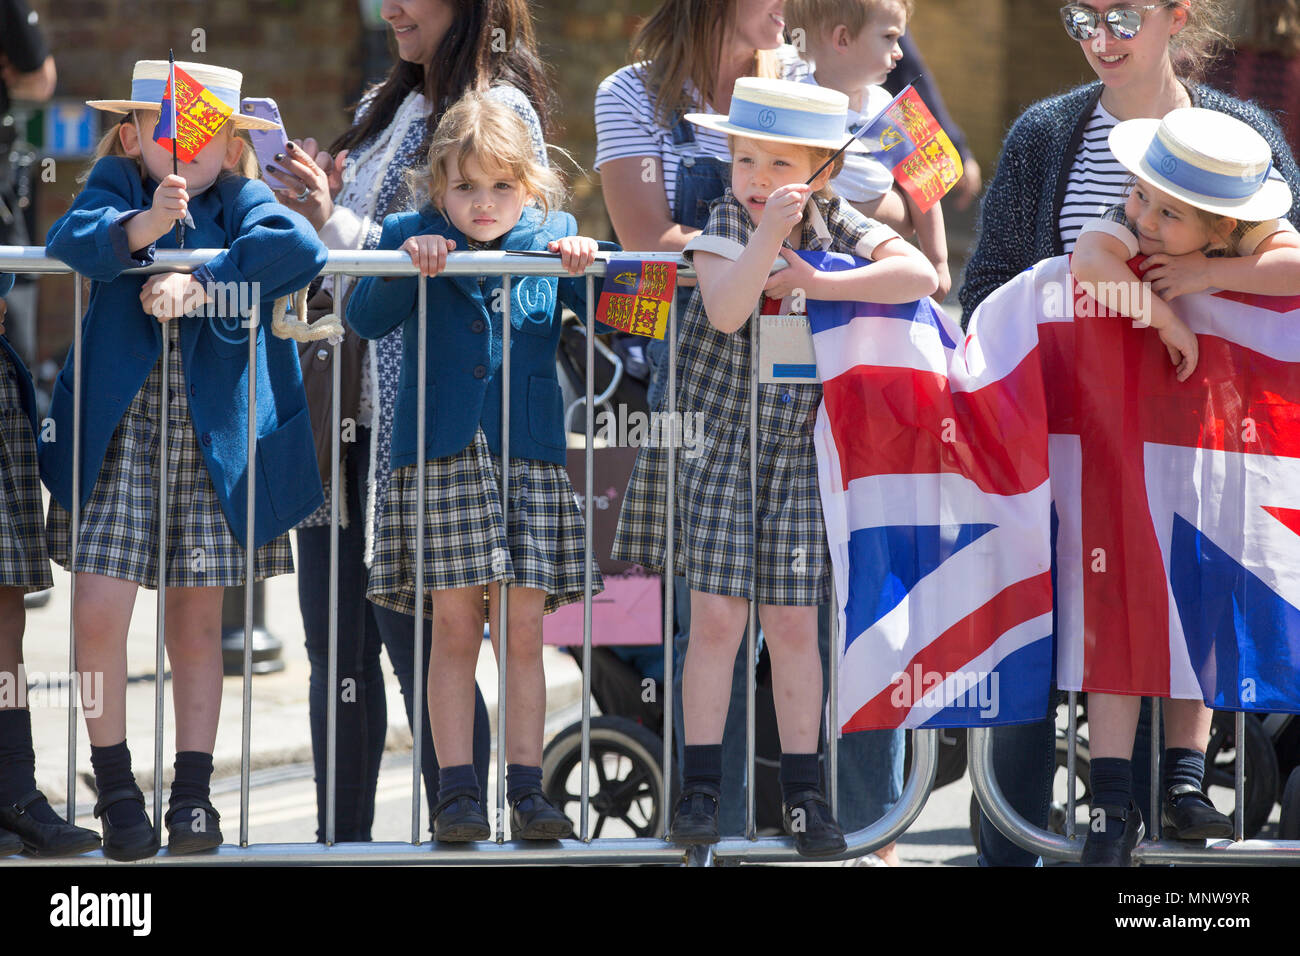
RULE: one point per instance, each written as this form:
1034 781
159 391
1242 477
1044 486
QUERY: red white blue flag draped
958 474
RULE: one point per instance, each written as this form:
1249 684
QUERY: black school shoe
460 819
10 843
136 842
1101 852
193 825
695 819
1188 814
807 817
533 817
43 839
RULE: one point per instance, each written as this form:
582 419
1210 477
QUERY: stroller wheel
1288 827
626 779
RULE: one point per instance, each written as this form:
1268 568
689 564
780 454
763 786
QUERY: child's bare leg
525 679
457 637
1187 724
791 637
13 619
103 614
194 651
1112 722
717 625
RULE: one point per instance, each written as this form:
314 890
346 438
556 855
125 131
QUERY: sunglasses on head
1084 23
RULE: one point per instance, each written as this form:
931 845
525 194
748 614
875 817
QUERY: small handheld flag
906 137
191 115
641 307
165 131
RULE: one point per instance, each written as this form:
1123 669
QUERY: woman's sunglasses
1084 23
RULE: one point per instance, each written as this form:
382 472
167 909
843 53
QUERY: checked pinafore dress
118 536
715 546
23 559
466 543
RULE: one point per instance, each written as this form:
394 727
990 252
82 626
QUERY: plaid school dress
465 539
23 559
118 536
715 536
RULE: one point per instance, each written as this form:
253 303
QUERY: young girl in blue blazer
128 209
487 191
26 820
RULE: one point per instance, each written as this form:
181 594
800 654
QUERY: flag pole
861 129
171 83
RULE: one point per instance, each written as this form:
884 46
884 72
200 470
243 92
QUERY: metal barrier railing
1068 846
750 848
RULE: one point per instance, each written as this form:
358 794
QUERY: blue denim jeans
1024 762
363 628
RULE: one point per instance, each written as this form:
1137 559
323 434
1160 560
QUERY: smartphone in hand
268 143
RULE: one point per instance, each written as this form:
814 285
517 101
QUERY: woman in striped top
1055 173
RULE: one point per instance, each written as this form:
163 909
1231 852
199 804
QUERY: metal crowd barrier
583 849
1068 847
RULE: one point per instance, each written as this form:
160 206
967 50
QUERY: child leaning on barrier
127 210
1205 210
780 133
27 821
485 190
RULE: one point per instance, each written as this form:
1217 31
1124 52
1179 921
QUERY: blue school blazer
26 393
261 242
465 343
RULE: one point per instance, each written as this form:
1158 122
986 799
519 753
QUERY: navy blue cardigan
1019 221
262 243
464 343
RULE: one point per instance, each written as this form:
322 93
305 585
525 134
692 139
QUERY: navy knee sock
458 779
1184 766
193 776
1111 780
799 772
112 766
17 759
703 765
521 778
18 764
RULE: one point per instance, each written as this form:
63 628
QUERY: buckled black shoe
533 817
695 818
807 817
136 842
193 825
44 839
1188 814
460 819
1101 852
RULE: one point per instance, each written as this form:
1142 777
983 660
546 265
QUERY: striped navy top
1096 180
625 122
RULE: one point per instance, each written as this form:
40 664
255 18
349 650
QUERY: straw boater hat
783 111
149 81
1207 159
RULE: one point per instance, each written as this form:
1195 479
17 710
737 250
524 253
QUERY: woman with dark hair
445 48
1056 172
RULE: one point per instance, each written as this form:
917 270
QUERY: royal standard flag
191 114
906 137
637 296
